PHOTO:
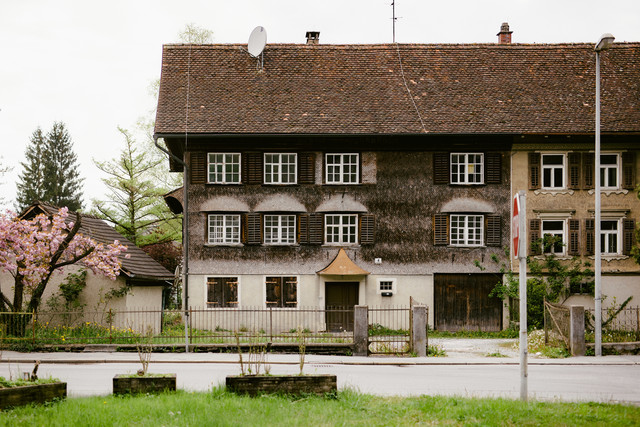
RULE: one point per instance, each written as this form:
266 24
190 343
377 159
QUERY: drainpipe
185 238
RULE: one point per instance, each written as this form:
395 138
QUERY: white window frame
466 169
206 290
225 164
279 229
264 291
561 233
342 165
382 280
341 229
604 176
231 225
617 235
273 169
466 240
552 168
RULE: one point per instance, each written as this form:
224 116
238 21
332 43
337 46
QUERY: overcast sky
89 64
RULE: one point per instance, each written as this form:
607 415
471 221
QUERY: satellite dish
257 41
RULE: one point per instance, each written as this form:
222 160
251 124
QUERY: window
222 292
467 168
341 229
224 229
386 286
466 230
342 168
609 171
553 234
553 171
224 168
610 237
280 168
280 229
281 292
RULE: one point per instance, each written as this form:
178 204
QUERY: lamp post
604 43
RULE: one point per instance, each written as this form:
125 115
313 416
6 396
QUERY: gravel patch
477 347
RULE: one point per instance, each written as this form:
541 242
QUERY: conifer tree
30 185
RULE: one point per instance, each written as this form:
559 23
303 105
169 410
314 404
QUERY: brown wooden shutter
628 231
493 168
303 229
440 168
441 229
574 237
252 226
588 168
306 168
628 170
367 229
493 230
316 229
534 171
589 231
574 170
252 168
535 246
198 167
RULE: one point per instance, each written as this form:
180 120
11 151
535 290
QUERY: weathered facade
398 154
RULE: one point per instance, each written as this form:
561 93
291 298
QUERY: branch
6 301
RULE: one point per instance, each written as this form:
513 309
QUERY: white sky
89 64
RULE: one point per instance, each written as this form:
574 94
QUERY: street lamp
603 44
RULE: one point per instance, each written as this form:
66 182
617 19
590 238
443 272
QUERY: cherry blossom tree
32 250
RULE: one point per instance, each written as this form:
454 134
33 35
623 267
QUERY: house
140 284
336 175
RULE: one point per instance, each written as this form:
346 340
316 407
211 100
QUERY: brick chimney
504 36
313 37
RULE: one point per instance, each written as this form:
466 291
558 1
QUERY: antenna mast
394 19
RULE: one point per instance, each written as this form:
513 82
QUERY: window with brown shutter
588 168
493 230
628 232
252 229
281 292
306 168
440 229
440 168
574 237
222 292
252 168
535 247
534 171
198 165
493 168
574 170
589 234
316 229
367 229
628 170
303 229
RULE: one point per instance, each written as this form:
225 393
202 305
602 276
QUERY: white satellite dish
257 41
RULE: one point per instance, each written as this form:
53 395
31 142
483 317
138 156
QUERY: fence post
576 330
110 326
34 316
360 330
419 330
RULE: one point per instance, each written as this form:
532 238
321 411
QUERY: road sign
515 225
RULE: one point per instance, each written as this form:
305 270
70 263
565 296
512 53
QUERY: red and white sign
515 225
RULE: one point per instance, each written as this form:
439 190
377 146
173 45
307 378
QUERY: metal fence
619 324
389 329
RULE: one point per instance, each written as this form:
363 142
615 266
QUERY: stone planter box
37 393
286 384
133 384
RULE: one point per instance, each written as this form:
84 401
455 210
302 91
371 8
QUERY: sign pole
520 251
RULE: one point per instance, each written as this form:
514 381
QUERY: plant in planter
143 381
30 390
256 384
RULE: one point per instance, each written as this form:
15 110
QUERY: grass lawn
349 408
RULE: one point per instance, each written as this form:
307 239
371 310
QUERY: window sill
341 245
609 258
608 192
223 245
554 192
223 308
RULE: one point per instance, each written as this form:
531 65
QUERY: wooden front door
341 297
462 302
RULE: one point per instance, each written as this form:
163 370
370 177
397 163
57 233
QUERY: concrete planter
128 384
285 384
27 394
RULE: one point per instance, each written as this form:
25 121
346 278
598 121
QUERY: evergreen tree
30 185
63 185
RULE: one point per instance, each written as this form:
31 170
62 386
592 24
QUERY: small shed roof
342 266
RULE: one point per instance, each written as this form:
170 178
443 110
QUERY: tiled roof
139 265
364 89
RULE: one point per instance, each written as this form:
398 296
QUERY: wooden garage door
462 302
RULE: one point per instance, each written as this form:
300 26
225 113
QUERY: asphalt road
606 379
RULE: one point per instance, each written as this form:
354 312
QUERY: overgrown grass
349 408
5 383
507 333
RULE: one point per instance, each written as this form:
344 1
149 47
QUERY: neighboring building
398 154
145 279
